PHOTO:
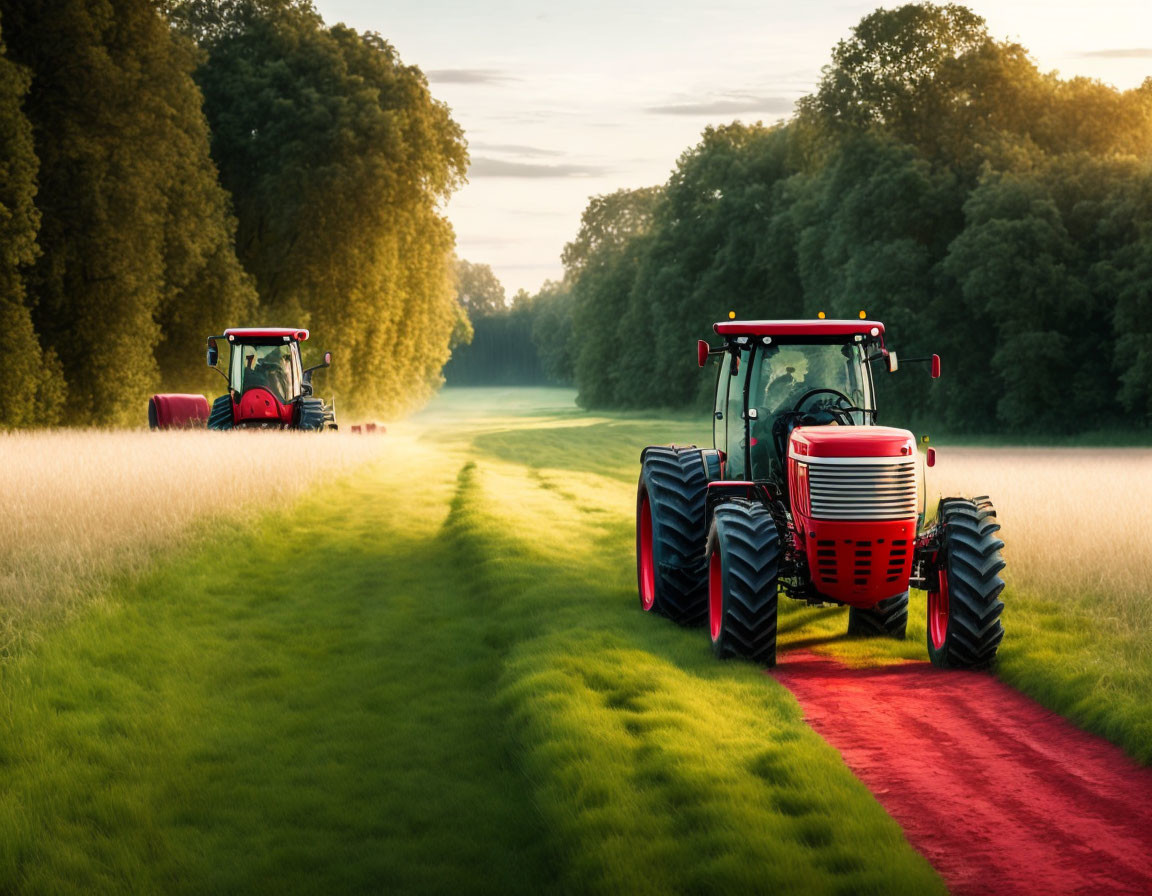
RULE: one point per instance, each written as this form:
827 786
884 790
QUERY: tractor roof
799 328
242 333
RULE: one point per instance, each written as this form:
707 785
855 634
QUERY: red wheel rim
938 611
715 595
647 569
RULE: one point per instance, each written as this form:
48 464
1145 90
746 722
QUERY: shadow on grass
809 643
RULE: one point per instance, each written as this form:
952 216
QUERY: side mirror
702 349
935 367
213 353
325 363
893 362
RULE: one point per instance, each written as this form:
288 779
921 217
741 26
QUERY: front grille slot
866 491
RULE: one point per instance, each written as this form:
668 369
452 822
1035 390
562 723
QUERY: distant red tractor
805 495
268 387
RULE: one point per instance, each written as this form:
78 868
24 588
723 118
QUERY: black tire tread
220 417
972 554
746 535
677 490
311 415
888 619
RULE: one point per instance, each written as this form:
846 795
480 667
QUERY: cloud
1132 53
485 167
728 104
468 76
516 149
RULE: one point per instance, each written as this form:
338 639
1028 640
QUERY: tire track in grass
656 769
999 794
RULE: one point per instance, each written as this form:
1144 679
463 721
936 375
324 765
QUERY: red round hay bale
177 411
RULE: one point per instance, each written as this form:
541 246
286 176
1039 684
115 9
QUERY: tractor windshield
785 378
270 367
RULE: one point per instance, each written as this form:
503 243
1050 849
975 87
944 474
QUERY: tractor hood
850 441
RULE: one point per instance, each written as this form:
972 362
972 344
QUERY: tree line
174 169
504 349
937 179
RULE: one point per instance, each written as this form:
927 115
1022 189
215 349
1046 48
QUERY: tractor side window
737 426
720 409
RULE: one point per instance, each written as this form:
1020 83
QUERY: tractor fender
176 411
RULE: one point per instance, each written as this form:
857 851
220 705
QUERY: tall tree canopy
338 159
478 290
937 180
33 388
136 257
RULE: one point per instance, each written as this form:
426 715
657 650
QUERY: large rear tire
964 606
888 619
671 574
743 568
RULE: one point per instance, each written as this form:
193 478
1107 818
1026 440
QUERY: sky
561 103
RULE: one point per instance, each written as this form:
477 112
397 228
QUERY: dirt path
999 794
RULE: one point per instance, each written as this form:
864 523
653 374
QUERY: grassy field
430 674
80 507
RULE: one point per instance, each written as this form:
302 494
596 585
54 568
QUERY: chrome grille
874 489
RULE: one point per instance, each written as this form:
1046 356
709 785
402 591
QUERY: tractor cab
780 375
268 385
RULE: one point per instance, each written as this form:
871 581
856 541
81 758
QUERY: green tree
928 75
552 332
601 263
338 160
478 290
134 227
937 180
33 387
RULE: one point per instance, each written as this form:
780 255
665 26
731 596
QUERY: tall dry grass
77 507
1077 522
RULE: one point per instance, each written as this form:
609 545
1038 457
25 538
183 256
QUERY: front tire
964 606
220 416
888 619
671 575
743 567
311 415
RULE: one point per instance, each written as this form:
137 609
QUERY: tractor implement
805 495
268 387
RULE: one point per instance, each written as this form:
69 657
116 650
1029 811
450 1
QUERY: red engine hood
851 441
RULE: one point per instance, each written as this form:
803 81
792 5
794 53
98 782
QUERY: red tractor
806 495
268 387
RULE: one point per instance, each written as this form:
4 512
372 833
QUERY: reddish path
999 794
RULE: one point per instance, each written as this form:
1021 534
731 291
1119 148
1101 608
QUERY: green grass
429 677
432 677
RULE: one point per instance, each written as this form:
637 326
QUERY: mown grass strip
658 769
